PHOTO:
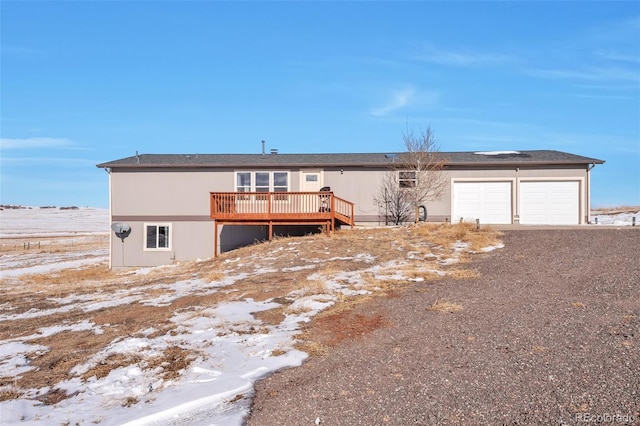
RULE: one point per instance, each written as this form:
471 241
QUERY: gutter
306 165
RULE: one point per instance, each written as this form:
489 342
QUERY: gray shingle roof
471 159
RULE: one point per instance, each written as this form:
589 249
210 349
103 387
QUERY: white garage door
488 201
549 203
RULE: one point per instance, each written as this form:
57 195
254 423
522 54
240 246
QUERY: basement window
157 236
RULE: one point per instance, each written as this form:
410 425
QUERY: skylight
498 153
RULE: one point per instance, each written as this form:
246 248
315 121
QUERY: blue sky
88 82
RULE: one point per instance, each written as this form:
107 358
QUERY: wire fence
53 243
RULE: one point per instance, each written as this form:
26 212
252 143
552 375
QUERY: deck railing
283 206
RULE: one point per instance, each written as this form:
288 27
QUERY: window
280 182
243 182
157 237
407 179
262 181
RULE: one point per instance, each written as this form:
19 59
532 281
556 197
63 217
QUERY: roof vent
391 156
273 151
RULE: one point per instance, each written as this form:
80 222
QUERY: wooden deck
279 208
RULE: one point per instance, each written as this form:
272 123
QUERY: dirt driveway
548 334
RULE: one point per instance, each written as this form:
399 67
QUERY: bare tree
415 177
395 202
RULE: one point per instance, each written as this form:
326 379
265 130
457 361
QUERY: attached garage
550 203
488 201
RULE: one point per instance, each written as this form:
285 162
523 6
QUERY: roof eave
302 165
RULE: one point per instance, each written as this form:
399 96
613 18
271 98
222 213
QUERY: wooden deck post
333 211
215 239
270 230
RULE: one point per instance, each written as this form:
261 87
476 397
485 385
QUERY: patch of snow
492 248
299 268
620 219
13 359
101 257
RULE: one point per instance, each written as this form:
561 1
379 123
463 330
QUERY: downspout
588 192
108 170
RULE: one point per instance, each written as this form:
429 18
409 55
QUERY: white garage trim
486 200
549 202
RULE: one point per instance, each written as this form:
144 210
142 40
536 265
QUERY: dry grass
173 361
278 352
462 274
48 245
615 210
66 280
445 306
284 267
312 347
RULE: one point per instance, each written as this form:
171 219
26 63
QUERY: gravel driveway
549 334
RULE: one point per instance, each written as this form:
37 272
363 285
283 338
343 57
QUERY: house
172 207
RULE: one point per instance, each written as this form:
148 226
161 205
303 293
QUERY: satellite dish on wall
121 229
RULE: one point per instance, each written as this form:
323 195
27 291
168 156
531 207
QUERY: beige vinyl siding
180 198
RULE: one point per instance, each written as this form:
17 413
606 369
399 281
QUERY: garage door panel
488 201
549 203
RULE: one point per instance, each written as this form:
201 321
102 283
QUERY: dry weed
312 348
173 361
445 306
112 362
67 280
8 394
131 400
461 274
312 288
278 352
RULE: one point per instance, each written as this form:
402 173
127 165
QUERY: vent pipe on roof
273 151
263 147
137 158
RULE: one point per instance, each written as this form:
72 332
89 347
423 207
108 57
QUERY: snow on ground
69 230
216 389
616 219
35 221
232 347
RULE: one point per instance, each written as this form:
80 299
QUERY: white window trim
253 179
157 224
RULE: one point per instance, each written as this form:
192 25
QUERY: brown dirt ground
548 333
